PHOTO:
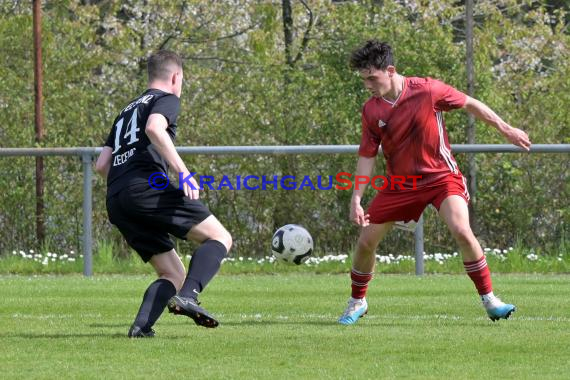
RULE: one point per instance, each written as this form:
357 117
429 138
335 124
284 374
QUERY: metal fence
87 155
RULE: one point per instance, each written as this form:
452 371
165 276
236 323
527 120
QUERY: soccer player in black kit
139 146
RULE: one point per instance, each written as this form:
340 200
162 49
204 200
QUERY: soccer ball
292 243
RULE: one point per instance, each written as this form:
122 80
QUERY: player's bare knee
226 239
463 235
178 283
365 246
177 279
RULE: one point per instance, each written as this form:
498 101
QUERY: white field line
309 316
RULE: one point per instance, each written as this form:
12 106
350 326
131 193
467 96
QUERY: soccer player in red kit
404 115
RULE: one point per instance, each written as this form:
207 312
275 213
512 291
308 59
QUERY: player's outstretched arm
156 132
364 167
103 163
482 112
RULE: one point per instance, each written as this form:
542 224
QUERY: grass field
283 326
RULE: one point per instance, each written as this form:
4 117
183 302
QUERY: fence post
419 246
86 158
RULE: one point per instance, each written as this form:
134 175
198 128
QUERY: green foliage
240 91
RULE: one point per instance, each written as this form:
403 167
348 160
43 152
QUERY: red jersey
411 130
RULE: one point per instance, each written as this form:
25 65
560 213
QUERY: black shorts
146 216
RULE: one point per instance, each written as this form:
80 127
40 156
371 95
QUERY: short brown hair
159 64
373 54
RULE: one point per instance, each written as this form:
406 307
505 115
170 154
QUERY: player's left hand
357 215
518 137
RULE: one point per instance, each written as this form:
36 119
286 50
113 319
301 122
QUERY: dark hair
159 64
373 54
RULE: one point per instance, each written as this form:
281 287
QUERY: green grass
283 326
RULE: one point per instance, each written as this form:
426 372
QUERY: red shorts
405 205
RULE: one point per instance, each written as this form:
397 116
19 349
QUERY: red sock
359 283
479 273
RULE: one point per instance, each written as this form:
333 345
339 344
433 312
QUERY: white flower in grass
241 258
532 257
14 253
72 252
338 257
312 261
487 249
31 251
71 259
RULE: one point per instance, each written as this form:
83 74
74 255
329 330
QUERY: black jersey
134 157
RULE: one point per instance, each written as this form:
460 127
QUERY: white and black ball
292 244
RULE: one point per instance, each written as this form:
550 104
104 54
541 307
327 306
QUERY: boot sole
199 318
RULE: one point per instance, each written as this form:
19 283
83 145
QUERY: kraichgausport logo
340 181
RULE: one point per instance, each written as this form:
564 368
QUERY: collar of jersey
393 104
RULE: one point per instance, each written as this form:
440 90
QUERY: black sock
204 265
154 301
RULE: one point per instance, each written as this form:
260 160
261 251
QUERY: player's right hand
357 215
188 191
518 137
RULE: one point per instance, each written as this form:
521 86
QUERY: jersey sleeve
168 106
109 141
369 142
445 97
